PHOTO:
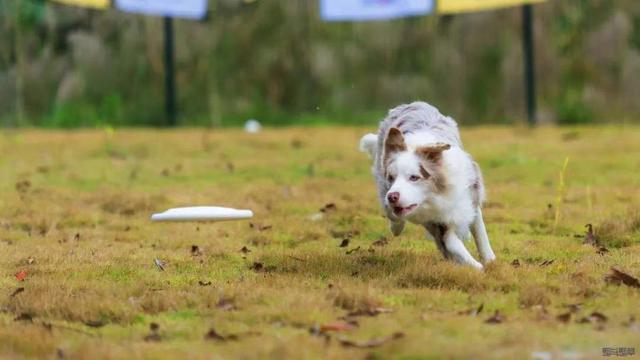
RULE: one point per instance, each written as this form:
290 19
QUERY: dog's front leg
482 239
396 227
457 251
437 232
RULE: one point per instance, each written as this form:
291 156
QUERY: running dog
424 176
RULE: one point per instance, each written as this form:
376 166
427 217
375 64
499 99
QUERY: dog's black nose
393 197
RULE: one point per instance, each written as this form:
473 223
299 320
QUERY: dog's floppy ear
433 152
394 142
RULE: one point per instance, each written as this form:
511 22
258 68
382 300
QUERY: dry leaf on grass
338 326
564 318
212 334
349 252
618 277
328 207
195 250
515 263
546 263
344 243
497 318
24 317
259 227
95 323
153 335
204 283
382 241
17 291
375 342
159 263
245 250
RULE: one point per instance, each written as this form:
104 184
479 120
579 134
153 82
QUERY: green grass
78 204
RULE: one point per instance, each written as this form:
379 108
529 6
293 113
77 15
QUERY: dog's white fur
419 161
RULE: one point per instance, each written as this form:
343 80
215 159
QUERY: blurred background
277 61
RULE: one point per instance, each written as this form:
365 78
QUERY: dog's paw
487 258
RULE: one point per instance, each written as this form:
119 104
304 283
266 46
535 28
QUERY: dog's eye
390 178
414 178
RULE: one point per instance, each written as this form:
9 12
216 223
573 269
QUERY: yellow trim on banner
97 4
461 6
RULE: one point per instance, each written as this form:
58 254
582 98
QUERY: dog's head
413 175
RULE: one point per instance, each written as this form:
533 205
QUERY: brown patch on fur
432 156
425 174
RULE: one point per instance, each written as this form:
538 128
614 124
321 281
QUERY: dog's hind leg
396 227
482 239
457 251
437 232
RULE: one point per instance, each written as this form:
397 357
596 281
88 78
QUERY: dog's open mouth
402 211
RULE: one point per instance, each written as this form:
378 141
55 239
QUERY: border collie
424 176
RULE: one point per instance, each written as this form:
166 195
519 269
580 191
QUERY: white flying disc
202 213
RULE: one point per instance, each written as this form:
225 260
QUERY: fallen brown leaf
17 291
159 264
382 241
153 335
95 323
515 263
344 243
212 334
328 207
618 277
204 283
195 250
349 252
375 342
338 326
565 318
245 250
24 317
259 227
497 318
546 263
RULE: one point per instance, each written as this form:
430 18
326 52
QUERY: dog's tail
369 144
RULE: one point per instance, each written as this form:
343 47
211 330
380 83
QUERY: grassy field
74 227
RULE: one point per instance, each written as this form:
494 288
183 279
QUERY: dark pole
169 72
529 72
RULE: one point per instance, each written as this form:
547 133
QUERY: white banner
192 9
350 10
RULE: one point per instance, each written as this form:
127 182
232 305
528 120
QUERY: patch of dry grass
74 210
